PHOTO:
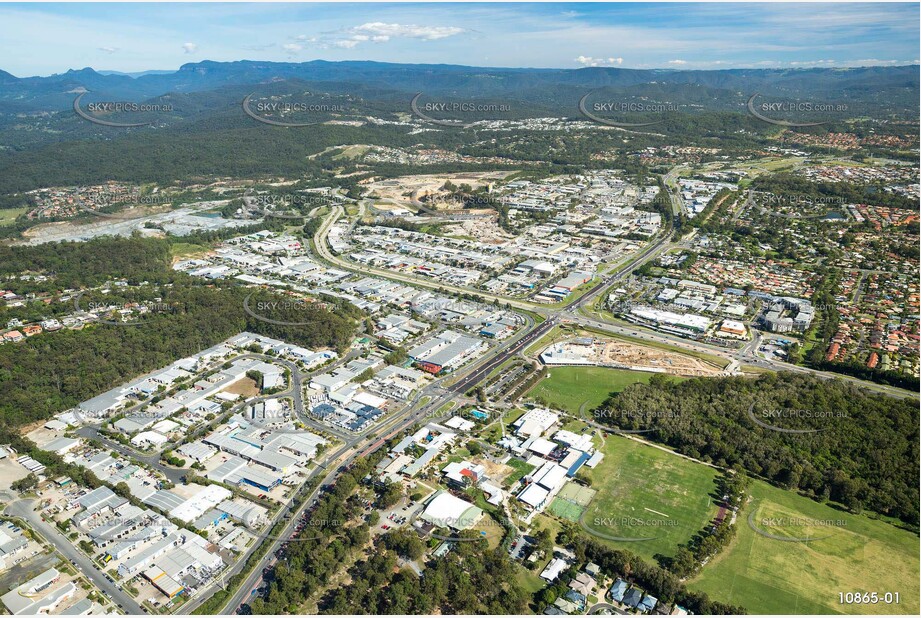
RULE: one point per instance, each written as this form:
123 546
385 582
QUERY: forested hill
826 439
52 372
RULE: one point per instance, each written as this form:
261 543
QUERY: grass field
8 215
187 250
769 576
669 495
567 388
521 468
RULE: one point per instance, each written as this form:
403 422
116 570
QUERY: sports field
852 553
648 500
565 509
572 501
567 388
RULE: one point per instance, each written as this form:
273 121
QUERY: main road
438 393
462 381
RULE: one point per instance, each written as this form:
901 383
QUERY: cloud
292 49
381 32
346 44
588 61
679 62
407 31
109 50
189 48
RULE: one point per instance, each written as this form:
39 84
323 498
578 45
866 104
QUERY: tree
390 495
25 483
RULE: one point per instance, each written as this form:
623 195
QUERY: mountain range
894 87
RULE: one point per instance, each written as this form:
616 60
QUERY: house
553 570
633 597
576 598
13 336
565 605
618 590
647 604
583 583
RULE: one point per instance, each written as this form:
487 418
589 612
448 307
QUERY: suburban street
24 510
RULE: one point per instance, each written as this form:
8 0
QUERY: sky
43 39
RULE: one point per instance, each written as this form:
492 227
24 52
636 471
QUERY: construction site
604 352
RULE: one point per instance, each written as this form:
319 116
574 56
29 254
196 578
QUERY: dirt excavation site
603 352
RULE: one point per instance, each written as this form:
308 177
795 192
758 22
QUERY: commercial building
446 351
36 596
447 511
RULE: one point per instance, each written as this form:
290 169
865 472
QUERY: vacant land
246 387
567 388
185 250
852 553
647 493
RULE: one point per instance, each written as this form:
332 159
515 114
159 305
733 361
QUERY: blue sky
41 39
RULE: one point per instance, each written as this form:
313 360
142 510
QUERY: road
476 372
663 244
24 510
356 447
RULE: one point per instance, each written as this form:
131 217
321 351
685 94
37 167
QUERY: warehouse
445 352
197 451
235 471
